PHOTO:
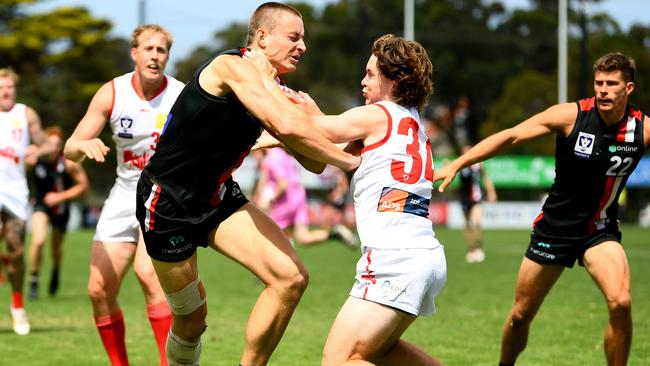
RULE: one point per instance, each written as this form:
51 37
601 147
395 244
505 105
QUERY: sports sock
17 300
161 320
111 330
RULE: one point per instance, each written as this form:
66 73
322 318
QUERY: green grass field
465 331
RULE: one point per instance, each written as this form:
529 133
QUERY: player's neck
614 116
148 89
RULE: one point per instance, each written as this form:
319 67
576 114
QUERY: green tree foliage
63 57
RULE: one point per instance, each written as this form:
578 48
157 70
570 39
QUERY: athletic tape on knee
180 352
186 300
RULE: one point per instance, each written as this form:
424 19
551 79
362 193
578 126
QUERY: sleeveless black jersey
592 166
204 140
51 177
469 189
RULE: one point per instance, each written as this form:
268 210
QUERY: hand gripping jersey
592 165
137 124
393 184
14 138
205 140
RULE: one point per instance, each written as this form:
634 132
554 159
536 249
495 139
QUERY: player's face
375 86
285 43
611 90
151 55
7 93
57 144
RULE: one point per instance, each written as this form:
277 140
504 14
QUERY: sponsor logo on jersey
135 161
393 290
397 200
176 240
539 253
10 153
614 148
126 123
584 145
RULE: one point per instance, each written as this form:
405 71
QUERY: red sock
17 300
111 330
161 320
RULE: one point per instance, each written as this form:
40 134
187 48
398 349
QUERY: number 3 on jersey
408 126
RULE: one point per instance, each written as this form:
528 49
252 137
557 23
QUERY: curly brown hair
407 63
616 61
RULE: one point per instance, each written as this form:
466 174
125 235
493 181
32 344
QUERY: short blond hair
135 42
265 16
8 72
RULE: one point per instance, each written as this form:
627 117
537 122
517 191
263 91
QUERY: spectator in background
472 179
285 199
19 125
57 181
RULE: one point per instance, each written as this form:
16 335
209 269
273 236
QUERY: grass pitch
466 330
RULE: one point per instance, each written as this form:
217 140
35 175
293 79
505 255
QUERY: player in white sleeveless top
136 105
19 124
402 268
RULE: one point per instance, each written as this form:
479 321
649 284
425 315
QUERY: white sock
180 352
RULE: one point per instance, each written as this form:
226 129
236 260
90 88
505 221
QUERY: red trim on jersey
110 111
369 276
539 217
389 129
621 130
365 292
587 104
157 93
636 114
152 207
215 200
242 50
607 195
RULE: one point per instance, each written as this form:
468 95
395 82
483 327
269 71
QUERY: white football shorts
117 222
405 279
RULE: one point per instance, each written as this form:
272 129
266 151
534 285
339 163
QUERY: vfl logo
176 240
125 124
584 145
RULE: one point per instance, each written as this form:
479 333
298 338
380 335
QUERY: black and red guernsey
204 140
592 166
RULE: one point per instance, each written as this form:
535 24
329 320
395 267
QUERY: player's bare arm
368 123
269 105
84 142
80 179
39 146
559 118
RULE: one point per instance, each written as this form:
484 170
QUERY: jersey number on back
408 126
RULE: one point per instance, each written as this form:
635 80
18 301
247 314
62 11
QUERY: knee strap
187 300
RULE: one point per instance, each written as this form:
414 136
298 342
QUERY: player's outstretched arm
559 118
84 142
264 99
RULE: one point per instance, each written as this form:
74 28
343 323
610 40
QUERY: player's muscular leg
146 275
533 283
608 266
39 235
108 265
379 341
252 239
14 230
176 279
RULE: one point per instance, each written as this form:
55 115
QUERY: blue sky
193 22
